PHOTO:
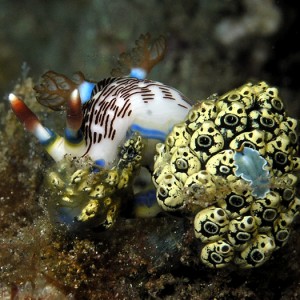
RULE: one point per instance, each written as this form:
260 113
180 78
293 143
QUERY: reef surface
214 46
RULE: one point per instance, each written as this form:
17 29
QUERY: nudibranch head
235 175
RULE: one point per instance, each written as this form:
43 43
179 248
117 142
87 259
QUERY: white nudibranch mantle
128 105
117 107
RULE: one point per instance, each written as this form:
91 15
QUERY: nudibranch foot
243 191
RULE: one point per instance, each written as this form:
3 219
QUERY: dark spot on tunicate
220 212
233 97
243 236
257 256
283 223
204 141
281 158
288 194
225 248
267 202
216 258
181 164
231 120
196 189
282 235
250 220
225 170
277 104
267 122
269 214
162 192
210 228
131 152
236 201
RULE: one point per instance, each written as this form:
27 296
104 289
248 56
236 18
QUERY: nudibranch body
231 165
129 105
117 108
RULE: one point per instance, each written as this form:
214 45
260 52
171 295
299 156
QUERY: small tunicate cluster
231 165
85 197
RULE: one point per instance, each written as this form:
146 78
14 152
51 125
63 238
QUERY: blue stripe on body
148 133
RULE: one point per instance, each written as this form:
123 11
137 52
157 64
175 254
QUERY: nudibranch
117 107
231 165
111 129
